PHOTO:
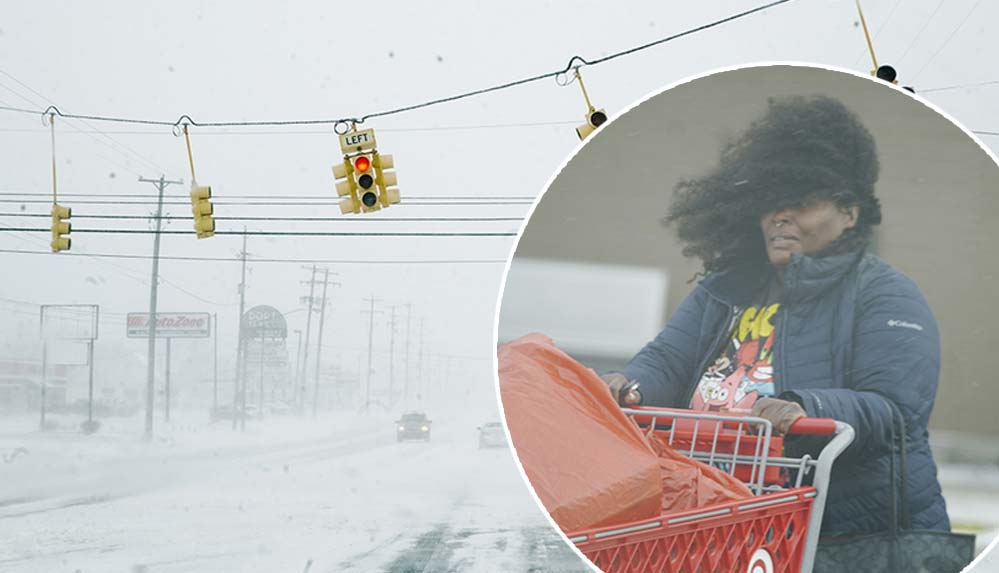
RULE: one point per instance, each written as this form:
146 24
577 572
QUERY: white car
492 435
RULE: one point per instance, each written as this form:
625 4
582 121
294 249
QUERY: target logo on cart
761 562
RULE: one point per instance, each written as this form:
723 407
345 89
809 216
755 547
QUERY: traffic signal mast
594 117
61 226
883 72
201 195
365 179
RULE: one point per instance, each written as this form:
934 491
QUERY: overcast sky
237 62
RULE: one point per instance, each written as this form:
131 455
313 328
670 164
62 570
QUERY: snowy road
348 498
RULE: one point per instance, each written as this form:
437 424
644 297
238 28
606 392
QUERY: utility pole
239 344
215 362
160 184
319 344
371 331
298 357
391 392
419 366
45 379
166 395
405 389
90 381
305 356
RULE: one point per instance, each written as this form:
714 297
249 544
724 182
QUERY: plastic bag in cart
588 462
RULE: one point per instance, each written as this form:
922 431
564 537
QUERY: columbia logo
904 324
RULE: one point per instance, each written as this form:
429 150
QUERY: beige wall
939 190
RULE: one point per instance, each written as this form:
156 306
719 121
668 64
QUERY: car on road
413 426
491 435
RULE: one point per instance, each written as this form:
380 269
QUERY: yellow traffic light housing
386 179
61 227
594 119
365 179
202 209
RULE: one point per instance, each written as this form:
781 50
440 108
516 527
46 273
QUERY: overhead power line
114 144
275 233
77 217
281 197
272 203
256 260
959 86
575 61
325 132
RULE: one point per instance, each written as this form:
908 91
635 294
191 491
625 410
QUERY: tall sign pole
405 388
391 390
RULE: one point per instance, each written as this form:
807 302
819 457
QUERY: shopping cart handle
813 426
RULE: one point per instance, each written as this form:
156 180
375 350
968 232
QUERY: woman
793 317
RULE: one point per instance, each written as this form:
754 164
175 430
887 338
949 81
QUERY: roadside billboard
170 325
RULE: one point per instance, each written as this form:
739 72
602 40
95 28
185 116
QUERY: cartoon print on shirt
744 371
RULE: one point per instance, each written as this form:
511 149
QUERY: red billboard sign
170 325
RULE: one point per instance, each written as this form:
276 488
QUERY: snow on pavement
289 495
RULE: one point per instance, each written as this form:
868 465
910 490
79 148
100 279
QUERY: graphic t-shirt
744 370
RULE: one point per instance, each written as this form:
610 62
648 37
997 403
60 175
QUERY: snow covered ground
288 495
295 495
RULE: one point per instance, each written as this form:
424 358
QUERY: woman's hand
618 382
781 413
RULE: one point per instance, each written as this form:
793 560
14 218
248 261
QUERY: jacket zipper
779 347
733 311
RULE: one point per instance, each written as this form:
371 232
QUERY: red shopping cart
775 531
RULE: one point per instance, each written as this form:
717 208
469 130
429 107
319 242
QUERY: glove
617 382
781 413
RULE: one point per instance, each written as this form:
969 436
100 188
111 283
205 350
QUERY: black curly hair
804 148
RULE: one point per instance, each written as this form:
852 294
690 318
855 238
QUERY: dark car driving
413 426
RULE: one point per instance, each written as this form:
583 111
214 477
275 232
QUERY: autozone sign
170 325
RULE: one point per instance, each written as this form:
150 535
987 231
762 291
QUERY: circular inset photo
750 327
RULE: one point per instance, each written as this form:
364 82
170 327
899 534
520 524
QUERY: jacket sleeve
895 357
663 368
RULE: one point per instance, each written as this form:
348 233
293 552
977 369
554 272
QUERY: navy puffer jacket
854 337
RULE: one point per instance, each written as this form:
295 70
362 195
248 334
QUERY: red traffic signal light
362 164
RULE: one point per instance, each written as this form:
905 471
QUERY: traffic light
888 74
201 207
386 179
61 227
364 179
594 119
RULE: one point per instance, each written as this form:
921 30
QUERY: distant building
21 385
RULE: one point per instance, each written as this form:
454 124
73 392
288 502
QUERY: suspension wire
256 260
187 120
313 203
